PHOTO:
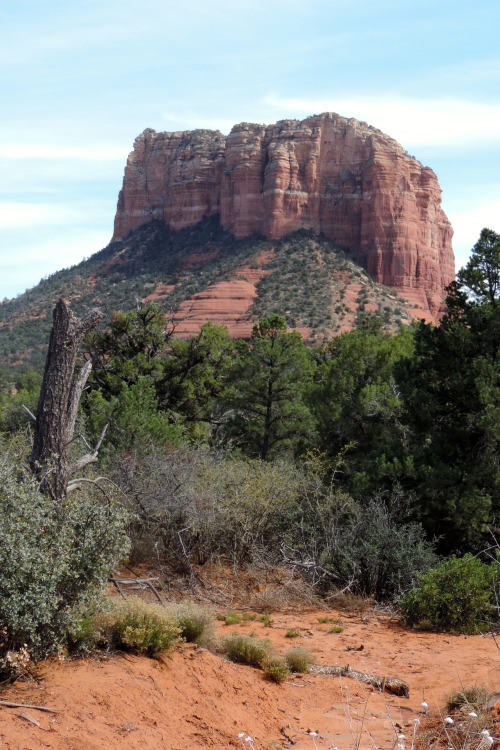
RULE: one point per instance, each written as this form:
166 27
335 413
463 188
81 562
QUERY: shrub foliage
54 558
456 596
135 625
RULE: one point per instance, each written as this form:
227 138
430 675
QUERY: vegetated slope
203 273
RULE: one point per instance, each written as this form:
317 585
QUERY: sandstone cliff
340 177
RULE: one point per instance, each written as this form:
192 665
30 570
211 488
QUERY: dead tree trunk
58 403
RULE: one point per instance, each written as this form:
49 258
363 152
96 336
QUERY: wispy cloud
468 220
55 152
39 256
21 215
413 122
473 71
190 120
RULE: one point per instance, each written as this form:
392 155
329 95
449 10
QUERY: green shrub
54 558
266 620
134 625
232 618
249 616
244 649
299 660
275 668
456 596
195 623
292 633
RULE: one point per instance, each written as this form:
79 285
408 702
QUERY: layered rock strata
342 178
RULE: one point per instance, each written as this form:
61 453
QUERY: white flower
416 722
473 715
241 735
448 720
401 736
312 734
424 705
485 732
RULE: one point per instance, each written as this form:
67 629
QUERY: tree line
417 412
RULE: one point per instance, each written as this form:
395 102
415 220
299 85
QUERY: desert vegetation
304 279
368 465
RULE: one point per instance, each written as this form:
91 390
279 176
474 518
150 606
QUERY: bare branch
29 412
89 458
74 399
76 484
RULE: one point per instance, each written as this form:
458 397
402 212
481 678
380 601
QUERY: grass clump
468 726
275 668
472 698
195 623
231 618
336 629
456 597
266 620
249 616
133 625
292 633
245 649
299 660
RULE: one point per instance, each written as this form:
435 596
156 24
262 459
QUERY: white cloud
190 120
54 152
413 122
467 222
37 258
22 214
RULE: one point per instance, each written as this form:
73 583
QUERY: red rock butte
339 177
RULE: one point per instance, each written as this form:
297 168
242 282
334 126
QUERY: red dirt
194 699
160 291
227 303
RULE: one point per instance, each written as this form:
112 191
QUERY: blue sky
80 80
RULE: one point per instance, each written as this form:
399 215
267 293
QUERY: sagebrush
54 557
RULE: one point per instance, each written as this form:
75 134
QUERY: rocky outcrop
337 176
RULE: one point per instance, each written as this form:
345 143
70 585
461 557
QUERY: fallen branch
134 580
137 583
390 684
118 588
31 719
9 704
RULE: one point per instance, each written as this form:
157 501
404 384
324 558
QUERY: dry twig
9 704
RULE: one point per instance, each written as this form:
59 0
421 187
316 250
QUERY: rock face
340 177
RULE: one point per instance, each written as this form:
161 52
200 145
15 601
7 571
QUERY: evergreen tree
356 403
481 275
268 410
452 397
